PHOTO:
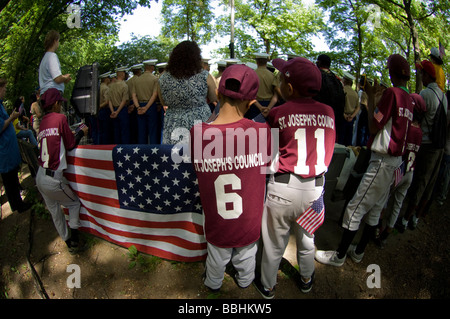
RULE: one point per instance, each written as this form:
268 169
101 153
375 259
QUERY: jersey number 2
234 201
301 168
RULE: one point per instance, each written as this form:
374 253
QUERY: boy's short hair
239 82
302 74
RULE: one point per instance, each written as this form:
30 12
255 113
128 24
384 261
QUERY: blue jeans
27 134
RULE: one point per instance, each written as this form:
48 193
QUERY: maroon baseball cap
399 66
50 97
428 67
247 78
302 74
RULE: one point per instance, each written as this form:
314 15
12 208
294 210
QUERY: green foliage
187 20
25 23
272 26
407 27
147 263
278 27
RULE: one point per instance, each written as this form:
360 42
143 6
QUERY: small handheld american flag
313 217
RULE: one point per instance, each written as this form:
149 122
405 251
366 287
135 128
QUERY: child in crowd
389 122
413 141
230 157
294 198
55 139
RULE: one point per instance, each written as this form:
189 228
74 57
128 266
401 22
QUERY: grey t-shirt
49 70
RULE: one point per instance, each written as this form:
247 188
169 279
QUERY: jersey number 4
45 157
301 168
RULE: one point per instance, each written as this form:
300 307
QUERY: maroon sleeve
67 135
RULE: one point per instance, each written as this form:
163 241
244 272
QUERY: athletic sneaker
401 225
214 291
306 287
353 255
329 257
266 294
413 222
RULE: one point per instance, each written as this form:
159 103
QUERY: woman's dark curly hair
185 60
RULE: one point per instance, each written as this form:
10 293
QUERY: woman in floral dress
186 89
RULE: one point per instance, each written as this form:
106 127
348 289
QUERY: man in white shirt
50 75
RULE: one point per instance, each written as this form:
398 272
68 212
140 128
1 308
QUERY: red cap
248 79
302 74
419 103
428 67
50 97
399 66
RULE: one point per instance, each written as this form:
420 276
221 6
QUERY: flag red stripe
168 239
315 224
93 181
107 201
311 220
186 225
145 249
91 163
97 147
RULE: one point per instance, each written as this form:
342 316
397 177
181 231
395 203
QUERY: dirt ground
413 265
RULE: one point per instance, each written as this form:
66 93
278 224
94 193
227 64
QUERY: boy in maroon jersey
294 198
230 156
55 139
389 122
413 142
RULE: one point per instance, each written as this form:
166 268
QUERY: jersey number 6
234 201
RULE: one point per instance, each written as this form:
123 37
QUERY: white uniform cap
222 63
205 60
150 62
348 76
105 75
122 69
137 66
435 52
251 65
233 61
161 65
261 55
112 75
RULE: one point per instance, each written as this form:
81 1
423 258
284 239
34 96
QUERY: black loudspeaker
85 93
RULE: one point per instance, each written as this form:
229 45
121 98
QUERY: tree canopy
361 34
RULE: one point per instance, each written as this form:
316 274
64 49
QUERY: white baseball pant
242 258
399 193
372 192
56 192
284 204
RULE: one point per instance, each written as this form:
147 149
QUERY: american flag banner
137 195
313 217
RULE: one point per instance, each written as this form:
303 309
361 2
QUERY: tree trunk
415 42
